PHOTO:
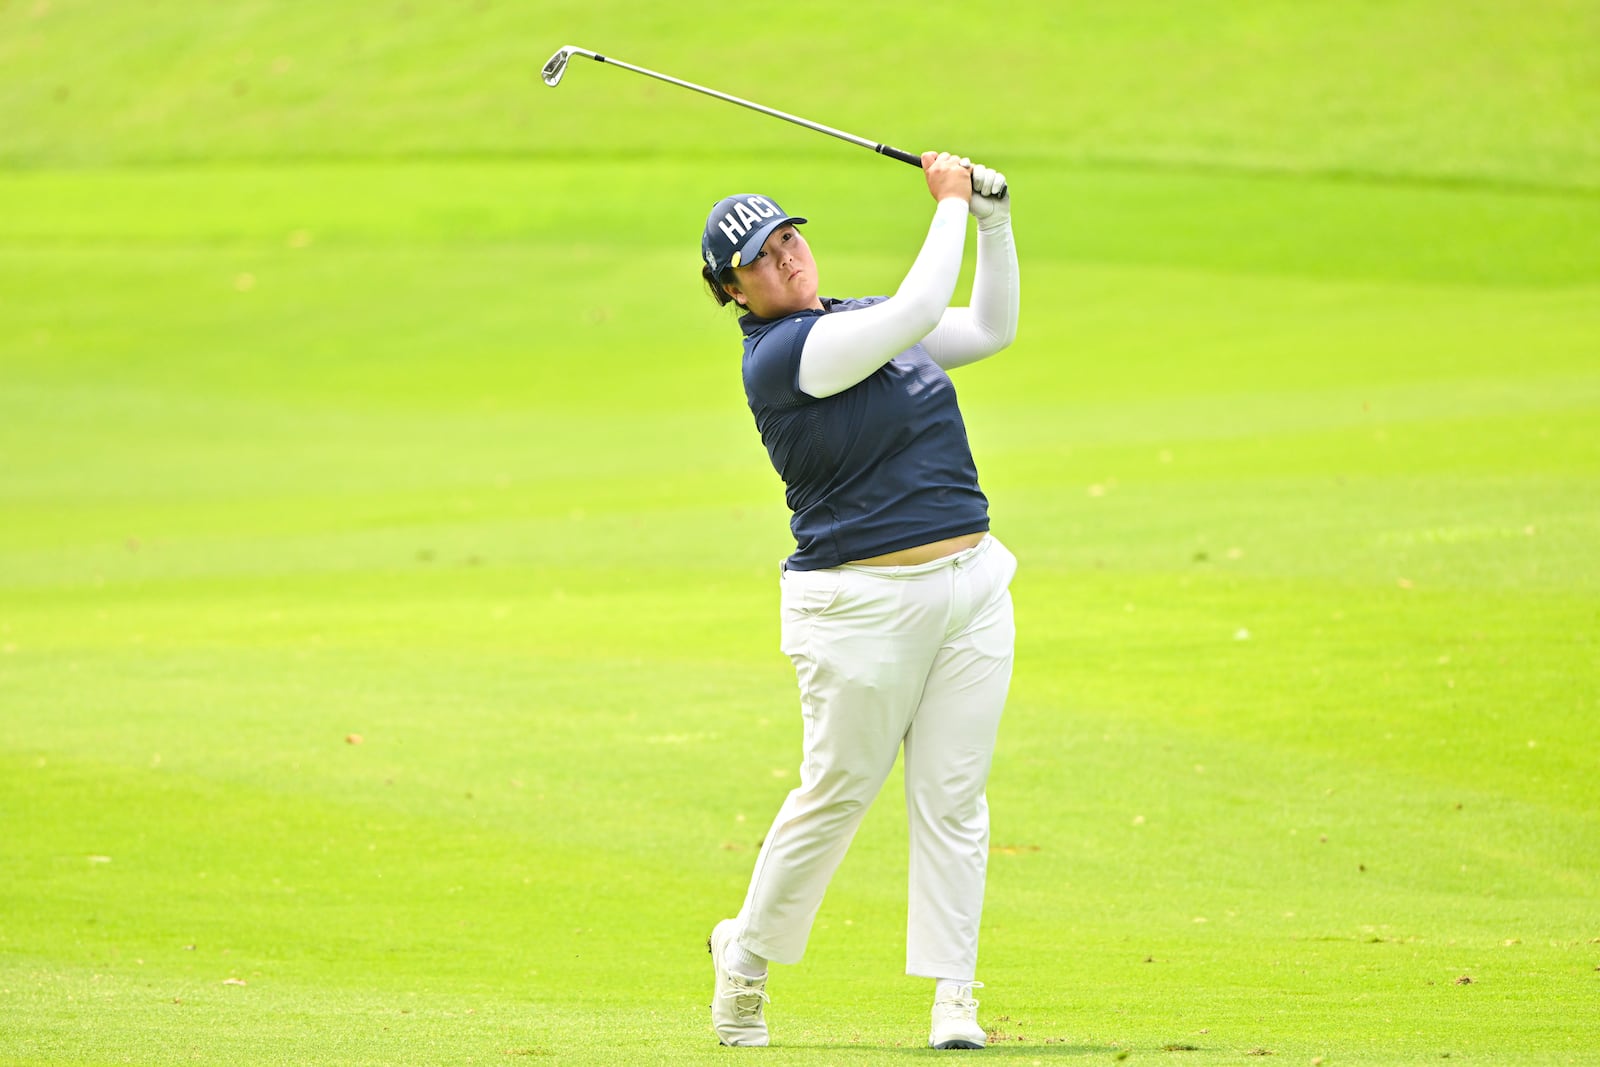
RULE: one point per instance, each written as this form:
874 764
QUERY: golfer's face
783 277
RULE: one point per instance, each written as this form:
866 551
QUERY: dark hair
714 287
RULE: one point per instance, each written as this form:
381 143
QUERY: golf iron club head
557 64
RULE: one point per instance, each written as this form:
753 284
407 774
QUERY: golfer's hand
991 197
947 176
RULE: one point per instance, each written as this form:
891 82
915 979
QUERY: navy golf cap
737 228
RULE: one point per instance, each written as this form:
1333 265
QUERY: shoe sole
957 1043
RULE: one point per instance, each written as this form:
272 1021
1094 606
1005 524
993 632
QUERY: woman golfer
896 602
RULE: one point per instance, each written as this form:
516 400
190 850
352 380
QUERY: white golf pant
885 656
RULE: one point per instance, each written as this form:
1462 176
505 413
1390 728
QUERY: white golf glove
986 205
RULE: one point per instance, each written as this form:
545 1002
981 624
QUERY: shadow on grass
1007 1050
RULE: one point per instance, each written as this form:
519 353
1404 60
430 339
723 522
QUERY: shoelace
962 1005
747 1002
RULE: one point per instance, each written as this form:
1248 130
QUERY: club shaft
881 149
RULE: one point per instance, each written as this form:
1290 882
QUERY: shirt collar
751 323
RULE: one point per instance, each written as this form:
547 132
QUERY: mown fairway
388 636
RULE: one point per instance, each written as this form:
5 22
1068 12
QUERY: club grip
896 153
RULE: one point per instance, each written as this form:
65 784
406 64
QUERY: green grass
371 396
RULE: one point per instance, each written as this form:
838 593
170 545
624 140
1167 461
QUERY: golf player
896 607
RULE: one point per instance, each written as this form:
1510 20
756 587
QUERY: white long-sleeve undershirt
846 347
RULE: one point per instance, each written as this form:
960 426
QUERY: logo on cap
746 213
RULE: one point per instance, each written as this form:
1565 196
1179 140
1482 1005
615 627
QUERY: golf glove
986 206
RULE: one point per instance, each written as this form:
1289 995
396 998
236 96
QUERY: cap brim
758 237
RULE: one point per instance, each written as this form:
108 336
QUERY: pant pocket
811 593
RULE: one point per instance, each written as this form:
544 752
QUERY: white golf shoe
736 1001
955 1020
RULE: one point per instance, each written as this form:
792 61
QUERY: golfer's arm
966 335
845 348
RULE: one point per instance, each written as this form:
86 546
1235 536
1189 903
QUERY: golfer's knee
844 792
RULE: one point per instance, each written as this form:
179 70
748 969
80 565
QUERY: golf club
557 66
